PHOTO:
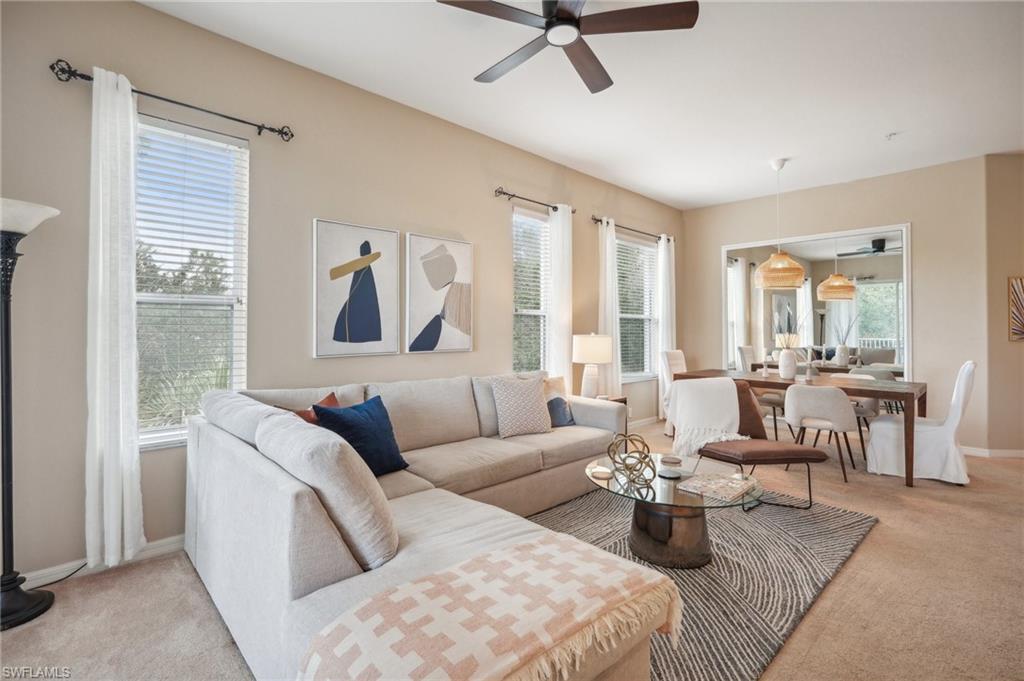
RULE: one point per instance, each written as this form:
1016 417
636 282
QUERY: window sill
170 439
638 378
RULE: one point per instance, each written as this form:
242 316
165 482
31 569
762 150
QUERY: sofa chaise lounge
280 566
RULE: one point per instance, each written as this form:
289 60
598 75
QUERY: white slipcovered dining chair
937 453
822 408
672 362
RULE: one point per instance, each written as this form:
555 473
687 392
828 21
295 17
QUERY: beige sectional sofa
281 559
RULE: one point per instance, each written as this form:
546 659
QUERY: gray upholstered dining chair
881 375
769 399
822 408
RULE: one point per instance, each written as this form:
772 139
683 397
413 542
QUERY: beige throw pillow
521 406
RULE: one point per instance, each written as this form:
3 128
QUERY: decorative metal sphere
633 462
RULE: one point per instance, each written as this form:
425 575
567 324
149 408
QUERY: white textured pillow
348 490
521 406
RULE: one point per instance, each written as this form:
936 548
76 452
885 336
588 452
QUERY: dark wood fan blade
549 7
586 64
666 17
513 60
499 11
570 8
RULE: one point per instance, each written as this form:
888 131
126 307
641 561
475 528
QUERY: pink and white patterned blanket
530 611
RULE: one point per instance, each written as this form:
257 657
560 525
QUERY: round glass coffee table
669 524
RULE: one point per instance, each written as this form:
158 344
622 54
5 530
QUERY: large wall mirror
875 325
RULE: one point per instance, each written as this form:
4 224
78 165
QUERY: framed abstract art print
439 294
355 289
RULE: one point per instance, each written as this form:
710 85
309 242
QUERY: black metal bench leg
810 496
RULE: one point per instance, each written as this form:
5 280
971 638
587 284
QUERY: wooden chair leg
863 448
849 449
817 434
801 434
830 437
791 433
775 423
841 463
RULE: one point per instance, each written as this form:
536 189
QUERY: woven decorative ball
633 462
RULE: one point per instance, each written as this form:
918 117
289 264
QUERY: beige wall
1004 201
356 157
946 207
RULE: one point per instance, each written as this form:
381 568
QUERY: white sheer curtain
841 314
805 314
608 306
558 355
757 315
665 308
113 491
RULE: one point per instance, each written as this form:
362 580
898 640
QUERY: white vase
787 364
842 355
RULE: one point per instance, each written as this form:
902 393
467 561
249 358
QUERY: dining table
912 395
831 368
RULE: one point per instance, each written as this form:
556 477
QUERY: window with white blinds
531 288
192 224
637 275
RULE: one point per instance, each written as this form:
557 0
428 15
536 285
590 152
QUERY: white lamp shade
592 349
22 216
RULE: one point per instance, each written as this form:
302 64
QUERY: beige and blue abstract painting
356 270
439 294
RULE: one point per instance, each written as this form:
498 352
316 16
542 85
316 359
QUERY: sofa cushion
438 529
348 490
367 428
236 413
429 412
473 464
568 444
402 483
302 398
521 406
483 392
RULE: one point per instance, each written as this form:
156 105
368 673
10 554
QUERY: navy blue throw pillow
367 427
560 413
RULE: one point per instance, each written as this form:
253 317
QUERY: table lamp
17 606
591 350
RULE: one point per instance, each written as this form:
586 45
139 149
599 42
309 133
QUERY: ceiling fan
877 247
564 26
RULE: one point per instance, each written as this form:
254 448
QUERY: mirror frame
903 228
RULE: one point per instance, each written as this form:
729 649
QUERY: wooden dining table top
855 387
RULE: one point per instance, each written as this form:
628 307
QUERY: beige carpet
936 591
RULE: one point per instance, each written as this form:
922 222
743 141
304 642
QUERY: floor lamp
17 606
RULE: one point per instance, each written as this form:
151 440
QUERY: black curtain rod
64 72
596 220
500 191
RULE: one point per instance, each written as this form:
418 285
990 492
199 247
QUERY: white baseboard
994 453
159 547
637 423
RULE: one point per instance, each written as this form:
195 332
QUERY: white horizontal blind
531 288
637 276
192 224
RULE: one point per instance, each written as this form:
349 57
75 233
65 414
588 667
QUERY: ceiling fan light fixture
562 33
837 287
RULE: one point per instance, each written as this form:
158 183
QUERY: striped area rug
768 567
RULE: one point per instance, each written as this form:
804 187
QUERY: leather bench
759 450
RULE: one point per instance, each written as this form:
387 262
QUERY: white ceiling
694 116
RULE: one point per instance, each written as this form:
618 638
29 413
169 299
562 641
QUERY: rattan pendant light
837 286
779 271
